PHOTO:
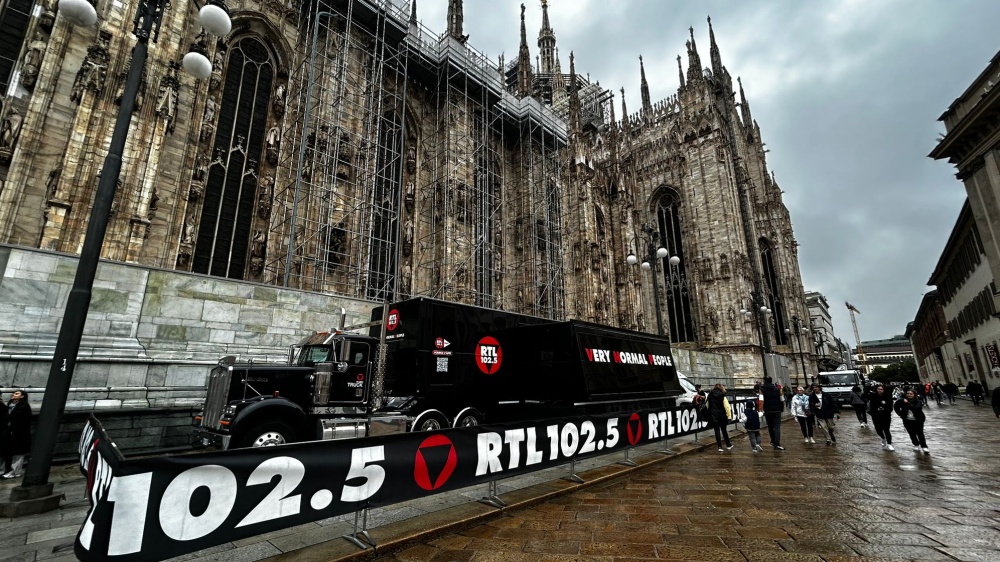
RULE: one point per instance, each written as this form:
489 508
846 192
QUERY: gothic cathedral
341 147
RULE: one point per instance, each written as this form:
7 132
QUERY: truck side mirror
345 350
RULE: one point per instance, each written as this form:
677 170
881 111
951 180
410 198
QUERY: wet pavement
852 501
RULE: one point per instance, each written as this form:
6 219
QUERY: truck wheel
267 434
429 421
468 417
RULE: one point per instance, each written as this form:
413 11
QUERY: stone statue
92 71
166 99
187 236
52 183
218 62
409 196
406 276
10 130
48 16
200 169
273 139
411 160
208 120
33 61
279 101
264 197
408 237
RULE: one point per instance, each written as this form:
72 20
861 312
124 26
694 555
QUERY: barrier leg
666 450
491 497
627 461
363 532
572 473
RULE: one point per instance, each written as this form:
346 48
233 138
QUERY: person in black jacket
4 454
773 406
995 400
720 417
18 432
911 410
859 401
951 391
880 409
827 412
975 391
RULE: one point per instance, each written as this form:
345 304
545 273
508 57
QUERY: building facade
830 351
341 148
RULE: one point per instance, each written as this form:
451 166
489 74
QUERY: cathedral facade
340 147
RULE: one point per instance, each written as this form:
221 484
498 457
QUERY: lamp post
797 329
214 18
654 253
757 312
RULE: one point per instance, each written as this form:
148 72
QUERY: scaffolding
415 171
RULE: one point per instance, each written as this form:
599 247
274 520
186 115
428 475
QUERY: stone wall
151 335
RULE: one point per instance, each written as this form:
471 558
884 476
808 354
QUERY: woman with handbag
720 412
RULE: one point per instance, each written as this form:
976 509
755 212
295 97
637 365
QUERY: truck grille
218 391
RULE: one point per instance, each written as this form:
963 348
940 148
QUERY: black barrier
156 508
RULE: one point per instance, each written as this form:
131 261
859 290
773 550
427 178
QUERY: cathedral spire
523 62
456 20
574 98
744 105
546 41
624 107
558 82
413 14
647 106
694 61
714 50
680 71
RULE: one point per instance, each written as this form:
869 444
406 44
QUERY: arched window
773 290
675 282
385 210
223 242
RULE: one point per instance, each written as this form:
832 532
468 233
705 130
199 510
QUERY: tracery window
679 317
773 291
224 232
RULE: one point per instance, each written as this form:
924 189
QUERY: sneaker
889 447
883 443
828 442
729 447
10 475
812 440
753 450
759 448
926 450
807 440
779 448
916 448
720 449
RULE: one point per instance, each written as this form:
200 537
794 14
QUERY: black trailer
450 364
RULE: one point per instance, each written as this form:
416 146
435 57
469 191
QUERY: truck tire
468 417
267 434
429 420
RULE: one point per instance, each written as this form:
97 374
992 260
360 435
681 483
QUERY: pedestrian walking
974 390
938 391
995 401
751 423
18 433
880 405
827 413
951 391
786 393
804 415
4 455
859 401
773 407
911 411
720 412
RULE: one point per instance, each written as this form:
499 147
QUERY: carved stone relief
33 61
166 97
10 131
92 72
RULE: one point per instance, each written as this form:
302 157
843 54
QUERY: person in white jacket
801 411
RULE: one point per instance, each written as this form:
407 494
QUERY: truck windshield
314 354
846 379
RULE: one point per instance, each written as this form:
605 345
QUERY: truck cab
323 391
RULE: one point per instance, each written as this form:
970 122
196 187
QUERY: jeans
827 425
882 428
754 438
916 430
859 409
807 423
721 428
773 427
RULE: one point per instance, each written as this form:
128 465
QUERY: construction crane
857 338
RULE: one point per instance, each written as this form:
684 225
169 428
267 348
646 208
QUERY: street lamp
797 328
757 311
654 253
214 18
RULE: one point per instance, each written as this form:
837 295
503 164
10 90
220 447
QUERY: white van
689 392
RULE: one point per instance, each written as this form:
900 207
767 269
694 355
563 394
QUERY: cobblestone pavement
851 501
841 503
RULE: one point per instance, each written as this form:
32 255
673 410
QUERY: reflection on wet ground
851 501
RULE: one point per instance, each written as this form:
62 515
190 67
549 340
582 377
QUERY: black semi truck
446 365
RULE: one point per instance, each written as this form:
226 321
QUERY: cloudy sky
847 94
